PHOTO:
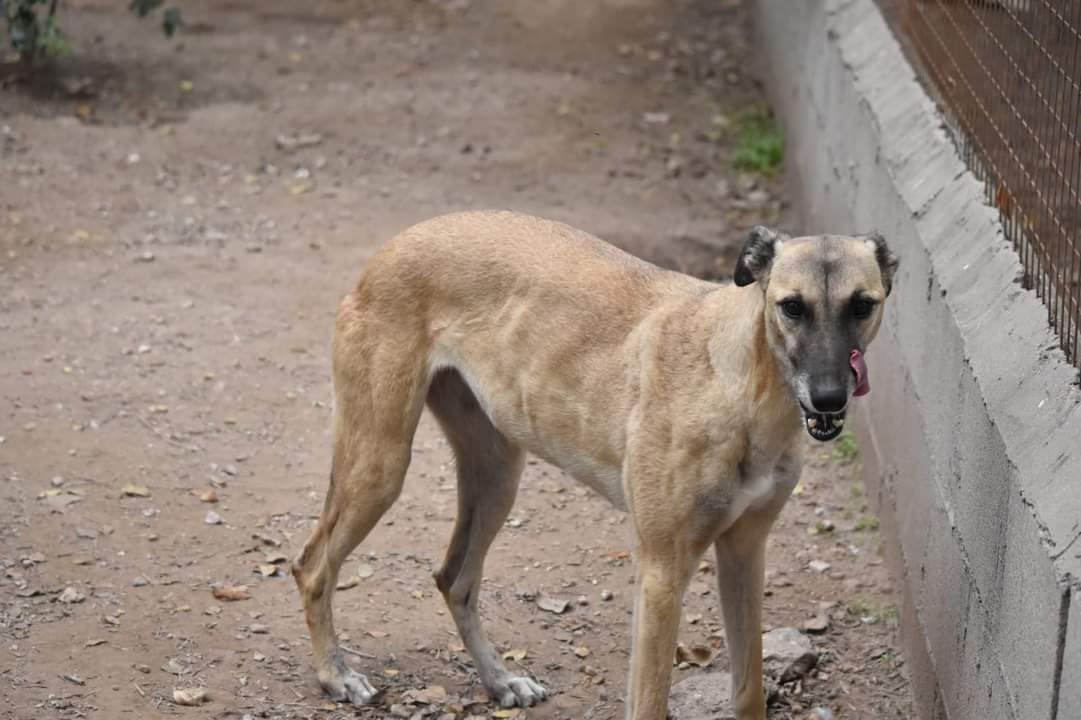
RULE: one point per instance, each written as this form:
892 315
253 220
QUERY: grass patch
866 524
761 146
846 449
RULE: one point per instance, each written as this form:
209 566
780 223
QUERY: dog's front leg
741 575
662 579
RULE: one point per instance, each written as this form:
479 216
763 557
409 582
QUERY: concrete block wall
971 436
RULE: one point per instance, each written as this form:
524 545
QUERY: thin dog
679 400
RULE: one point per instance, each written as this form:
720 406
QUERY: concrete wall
971 436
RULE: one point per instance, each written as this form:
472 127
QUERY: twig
139 689
163 436
358 653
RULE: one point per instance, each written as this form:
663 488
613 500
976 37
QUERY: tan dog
678 400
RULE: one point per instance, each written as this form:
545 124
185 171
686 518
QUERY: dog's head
824 300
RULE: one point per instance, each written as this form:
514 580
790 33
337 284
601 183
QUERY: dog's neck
768 382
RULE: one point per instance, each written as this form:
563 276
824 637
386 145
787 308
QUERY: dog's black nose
829 398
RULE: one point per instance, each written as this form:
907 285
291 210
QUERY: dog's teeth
811 423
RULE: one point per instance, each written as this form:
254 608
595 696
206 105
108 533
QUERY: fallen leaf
508 713
232 592
135 490
95 642
697 655
289 143
377 634
189 696
266 569
431 695
173 667
581 651
515 654
365 571
348 583
553 605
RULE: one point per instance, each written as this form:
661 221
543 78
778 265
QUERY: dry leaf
581 651
365 571
135 490
350 583
553 605
697 655
431 695
515 654
189 696
508 713
232 592
266 569
377 634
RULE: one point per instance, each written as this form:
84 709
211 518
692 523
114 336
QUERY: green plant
846 449
33 32
170 18
866 524
761 146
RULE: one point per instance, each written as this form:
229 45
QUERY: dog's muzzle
823 426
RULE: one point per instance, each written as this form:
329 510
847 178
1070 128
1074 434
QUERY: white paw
349 686
519 691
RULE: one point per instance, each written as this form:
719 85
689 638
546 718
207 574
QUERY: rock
606 595
819 566
702 697
70 596
784 647
818 624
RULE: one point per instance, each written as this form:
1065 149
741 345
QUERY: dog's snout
829 398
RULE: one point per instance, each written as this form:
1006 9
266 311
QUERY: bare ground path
177 222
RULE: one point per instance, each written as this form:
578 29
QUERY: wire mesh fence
1007 75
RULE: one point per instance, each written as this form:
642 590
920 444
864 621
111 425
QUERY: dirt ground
178 219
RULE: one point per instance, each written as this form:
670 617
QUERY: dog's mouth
823 426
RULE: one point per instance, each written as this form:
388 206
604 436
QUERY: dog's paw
349 686
519 691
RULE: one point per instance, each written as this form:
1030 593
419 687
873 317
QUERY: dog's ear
887 261
757 255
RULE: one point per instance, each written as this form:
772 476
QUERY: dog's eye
862 308
793 309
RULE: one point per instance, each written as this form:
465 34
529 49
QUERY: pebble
606 595
212 518
70 596
819 566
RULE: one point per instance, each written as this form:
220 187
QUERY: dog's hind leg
489 466
379 398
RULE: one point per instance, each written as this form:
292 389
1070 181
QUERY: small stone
71 596
606 595
140 581
819 566
818 624
212 518
258 629
706 696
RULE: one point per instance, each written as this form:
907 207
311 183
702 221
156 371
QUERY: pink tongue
859 367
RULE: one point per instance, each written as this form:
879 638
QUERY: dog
679 400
